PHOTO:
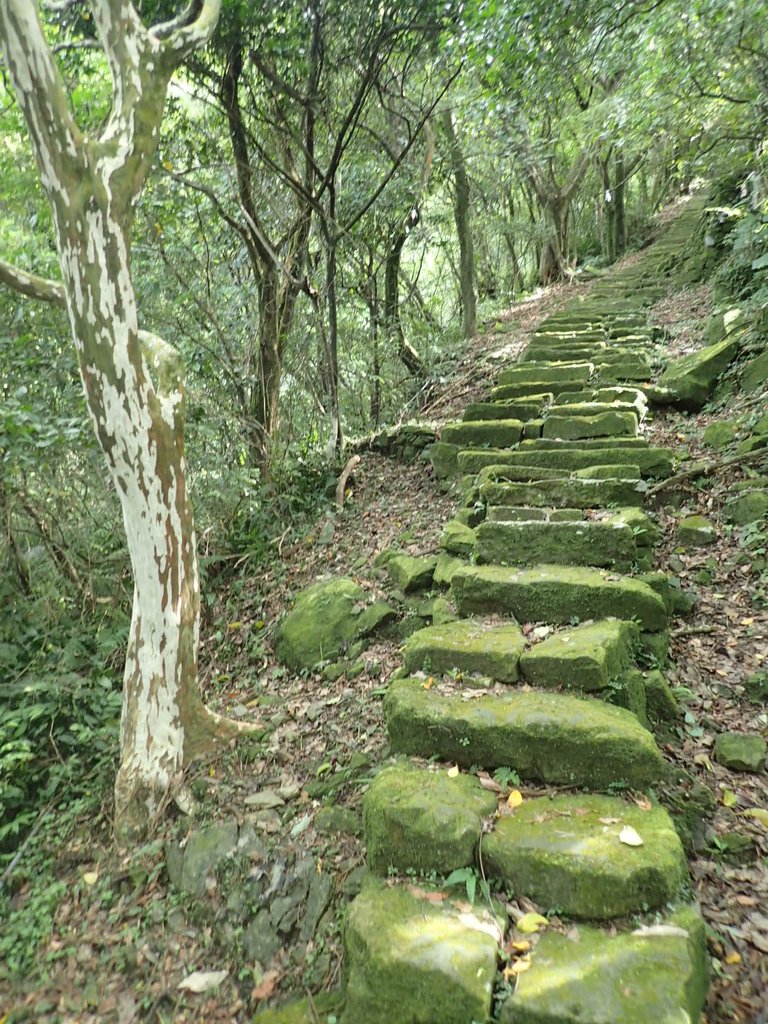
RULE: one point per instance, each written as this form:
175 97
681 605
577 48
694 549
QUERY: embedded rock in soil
410 960
304 1011
747 508
326 618
467 646
741 751
691 379
189 866
421 819
556 594
410 573
652 976
457 538
566 852
696 532
555 738
584 658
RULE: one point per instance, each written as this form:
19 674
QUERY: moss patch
572 493
606 424
568 543
468 646
584 658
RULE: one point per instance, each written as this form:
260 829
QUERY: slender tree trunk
609 212
462 217
392 322
553 262
620 225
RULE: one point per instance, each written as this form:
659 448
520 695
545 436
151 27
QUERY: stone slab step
510 410
525 514
549 372
568 543
566 852
569 492
653 462
556 594
651 976
499 433
467 646
422 819
592 408
570 427
412 961
534 389
548 737
584 658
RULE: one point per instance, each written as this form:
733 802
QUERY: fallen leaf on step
453 772
729 798
530 923
758 813
202 981
629 837
267 986
514 799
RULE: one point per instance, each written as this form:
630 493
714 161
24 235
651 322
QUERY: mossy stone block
619 471
566 543
741 751
410 960
421 819
410 573
655 976
546 373
692 378
457 539
532 389
661 703
467 646
492 433
605 424
593 408
720 435
583 658
443 458
304 1011
696 532
565 852
627 690
556 594
755 373
747 508
509 410
653 462
567 492
550 737
445 568
326 618
645 531
442 612
533 428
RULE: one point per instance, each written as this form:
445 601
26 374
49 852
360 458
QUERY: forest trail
554 670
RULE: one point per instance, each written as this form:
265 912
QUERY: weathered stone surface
546 373
583 658
529 389
510 410
411 961
410 573
565 852
605 424
620 471
457 539
556 594
740 750
521 474
555 738
720 434
443 458
494 433
645 531
653 462
656 976
747 508
467 646
661 703
755 373
696 532
304 1011
568 492
190 866
593 408
445 568
691 379
569 543
421 819
326 618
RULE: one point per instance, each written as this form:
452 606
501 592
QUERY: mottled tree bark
461 214
133 381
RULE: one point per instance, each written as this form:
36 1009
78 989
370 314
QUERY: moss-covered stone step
551 372
567 492
568 543
688 381
547 737
556 594
582 332
526 514
526 388
410 573
593 408
591 352
653 462
522 409
656 975
566 852
585 657
411 960
468 646
498 433
572 427
422 819
457 538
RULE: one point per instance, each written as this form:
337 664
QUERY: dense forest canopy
305 213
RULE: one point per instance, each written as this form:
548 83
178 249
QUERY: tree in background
133 380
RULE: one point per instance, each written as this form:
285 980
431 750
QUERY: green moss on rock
696 532
583 658
467 646
692 378
410 573
565 852
566 543
457 539
551 737
493 433
572 493
556 594
410 961
546 373
606 424
443 458
740 750
421 819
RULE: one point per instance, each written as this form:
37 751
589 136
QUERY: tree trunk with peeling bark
133 381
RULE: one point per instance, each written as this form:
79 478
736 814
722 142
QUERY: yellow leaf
729 798
428 684
515 798
90 877
530 923
521 946
758 813
746 622
167 165
519 966
733 958
629 837
234 625
453 772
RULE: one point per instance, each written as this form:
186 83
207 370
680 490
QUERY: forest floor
123 941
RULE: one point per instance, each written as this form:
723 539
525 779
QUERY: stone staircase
543 673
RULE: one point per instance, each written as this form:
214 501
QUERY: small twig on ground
30 836
693 631
704 468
